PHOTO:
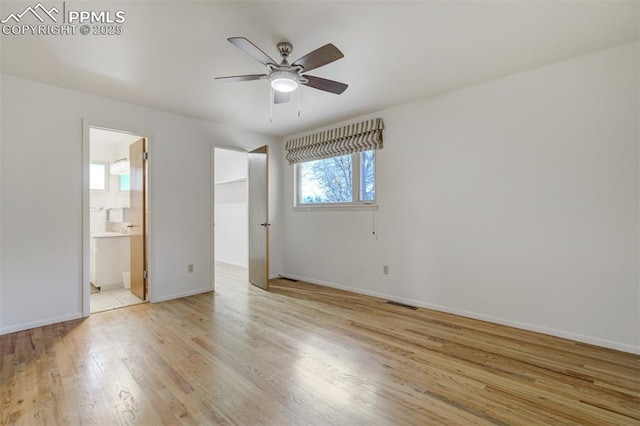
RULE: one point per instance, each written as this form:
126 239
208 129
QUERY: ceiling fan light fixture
284 81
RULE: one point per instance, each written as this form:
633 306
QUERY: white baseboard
39 323
179 295
497 320
63 318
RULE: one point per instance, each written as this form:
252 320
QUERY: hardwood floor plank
303 354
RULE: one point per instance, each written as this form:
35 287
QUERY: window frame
355 204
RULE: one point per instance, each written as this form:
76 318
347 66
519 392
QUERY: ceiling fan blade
248 77
326 85
319 57
252 50
281 97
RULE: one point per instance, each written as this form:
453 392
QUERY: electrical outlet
385 269
190 268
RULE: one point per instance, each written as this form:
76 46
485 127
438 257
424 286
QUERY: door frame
215 146
86 206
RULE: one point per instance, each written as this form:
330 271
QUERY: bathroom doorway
117 219
231 239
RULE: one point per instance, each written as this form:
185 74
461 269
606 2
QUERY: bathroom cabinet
109 259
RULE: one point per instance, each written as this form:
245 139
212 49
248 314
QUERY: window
124 182
336 168
98 178
342 181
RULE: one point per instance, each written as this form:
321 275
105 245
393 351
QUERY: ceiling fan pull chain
271 101
298 101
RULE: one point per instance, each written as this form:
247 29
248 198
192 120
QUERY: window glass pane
326 181
97 177
124 182
367 176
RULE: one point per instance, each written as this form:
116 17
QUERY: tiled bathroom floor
113 299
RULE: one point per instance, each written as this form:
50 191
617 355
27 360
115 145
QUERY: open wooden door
137 217
258 182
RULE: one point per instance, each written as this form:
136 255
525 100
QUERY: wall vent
402 305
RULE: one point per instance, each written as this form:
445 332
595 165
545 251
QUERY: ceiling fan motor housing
285 49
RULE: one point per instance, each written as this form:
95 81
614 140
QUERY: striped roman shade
350 139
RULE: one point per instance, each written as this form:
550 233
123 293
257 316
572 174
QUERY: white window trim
355 192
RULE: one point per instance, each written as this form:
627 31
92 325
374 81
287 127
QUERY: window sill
335 207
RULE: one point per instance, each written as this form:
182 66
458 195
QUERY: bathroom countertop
107 234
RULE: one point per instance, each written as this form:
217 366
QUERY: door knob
265 224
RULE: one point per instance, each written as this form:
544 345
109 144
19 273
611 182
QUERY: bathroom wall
231 236
105 151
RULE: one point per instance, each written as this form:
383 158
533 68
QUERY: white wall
231 207
41 176
230 164
514 201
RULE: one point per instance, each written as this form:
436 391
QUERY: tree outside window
332 180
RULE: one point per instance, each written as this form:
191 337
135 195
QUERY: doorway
241 218
231 238
117 205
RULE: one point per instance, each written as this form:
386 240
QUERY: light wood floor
303 354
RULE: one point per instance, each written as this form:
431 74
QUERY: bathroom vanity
109 259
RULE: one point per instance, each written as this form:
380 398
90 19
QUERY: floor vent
402 305
289 279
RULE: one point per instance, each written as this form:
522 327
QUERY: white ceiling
109 137
395 52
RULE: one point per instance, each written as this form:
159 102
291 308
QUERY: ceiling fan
285 77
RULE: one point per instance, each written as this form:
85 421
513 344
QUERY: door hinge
145 275
145 155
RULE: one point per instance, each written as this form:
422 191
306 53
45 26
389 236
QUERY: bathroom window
98 177
124 182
